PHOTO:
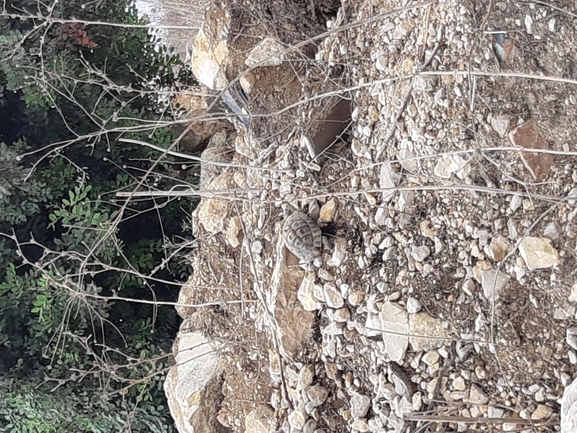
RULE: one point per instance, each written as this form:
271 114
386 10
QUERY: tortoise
302 237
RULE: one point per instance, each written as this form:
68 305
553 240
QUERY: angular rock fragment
530 136
234 231
497 248
426 332
538 253
359 405
493 283
268 52
259 420
317 394
395 326
333 296
306 295
192 381
451 164
388 180
501 124
420 253
209 59
328 212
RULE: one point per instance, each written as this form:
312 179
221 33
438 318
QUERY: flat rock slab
530 136
493 283
395 325
538 253
426 332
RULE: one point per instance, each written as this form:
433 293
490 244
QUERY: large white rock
569 409
209 60
538 253
395 326
193 383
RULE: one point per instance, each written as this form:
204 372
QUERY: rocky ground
444 297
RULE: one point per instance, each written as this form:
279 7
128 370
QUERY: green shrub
69 249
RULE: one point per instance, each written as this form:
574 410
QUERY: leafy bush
70 410
68 246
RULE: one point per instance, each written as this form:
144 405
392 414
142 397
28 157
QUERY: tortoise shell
302 237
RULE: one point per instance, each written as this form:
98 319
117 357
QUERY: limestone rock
413 305
572 337
333 297
259 420
234 232
477 395
298 418
395 327
359 405
569 409
268 52
420 253
480 267
193 383
426 332
217 152
247 81
388 180
373 326
212 213
306 376
209 58
538 253
542 412
501 124
493 283
573 294
356 297
328 212
427 231
552 231
497 248
317 394
306 295
449 165
342 315
408 160
339 252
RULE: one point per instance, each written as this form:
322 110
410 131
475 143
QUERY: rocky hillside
444 295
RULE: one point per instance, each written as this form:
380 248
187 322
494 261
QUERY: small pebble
413 305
